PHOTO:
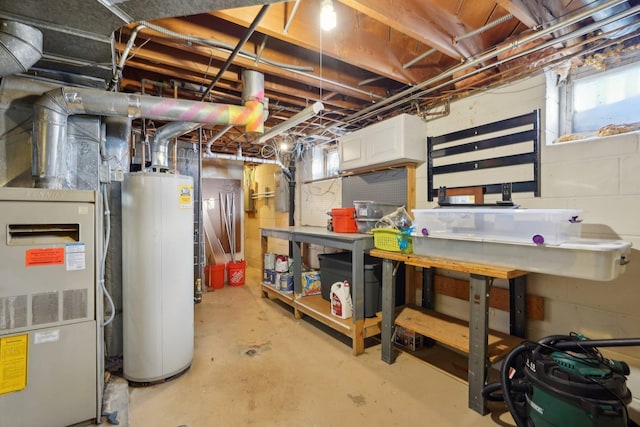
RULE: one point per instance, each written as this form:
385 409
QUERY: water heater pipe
160 144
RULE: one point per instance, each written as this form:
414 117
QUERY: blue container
286 282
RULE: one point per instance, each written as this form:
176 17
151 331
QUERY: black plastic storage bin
337 268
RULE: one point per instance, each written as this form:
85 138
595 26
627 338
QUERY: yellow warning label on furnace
186 198
13 363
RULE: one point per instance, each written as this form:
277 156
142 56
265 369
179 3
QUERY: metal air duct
54 107
160 145
619 28
20 47
253 91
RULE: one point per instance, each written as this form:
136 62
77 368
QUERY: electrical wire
107 233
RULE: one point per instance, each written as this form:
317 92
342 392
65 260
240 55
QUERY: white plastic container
366 225
373 210
281 263
341 305
592 259
540 226
269 261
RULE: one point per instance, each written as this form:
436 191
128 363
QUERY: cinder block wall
601 177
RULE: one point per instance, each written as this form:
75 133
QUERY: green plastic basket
390 240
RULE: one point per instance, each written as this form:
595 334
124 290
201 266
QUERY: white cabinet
400 139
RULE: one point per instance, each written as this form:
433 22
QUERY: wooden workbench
473 338
358 327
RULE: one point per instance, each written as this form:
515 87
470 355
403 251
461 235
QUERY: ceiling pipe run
52 110
612 11
216 137
577 33
20 47
241 43
244 159
291 15
483 29
380 106
117 72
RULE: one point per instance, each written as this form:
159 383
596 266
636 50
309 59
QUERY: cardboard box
311 284
408 339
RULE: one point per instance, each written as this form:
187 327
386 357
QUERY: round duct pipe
20 47
619 28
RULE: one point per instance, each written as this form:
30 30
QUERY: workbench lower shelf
319 309
452 332
272 292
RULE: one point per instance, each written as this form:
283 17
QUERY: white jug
340 298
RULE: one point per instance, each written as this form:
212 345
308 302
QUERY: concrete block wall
600 176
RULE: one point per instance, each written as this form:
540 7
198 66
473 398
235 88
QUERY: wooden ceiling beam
202 55
520 10
366 45
423 20
276 93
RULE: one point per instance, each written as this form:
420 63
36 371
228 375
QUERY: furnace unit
50 352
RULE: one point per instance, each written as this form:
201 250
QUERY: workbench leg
518 306
264 245
357 337
388 311
297 276
428 289
357 296
478 332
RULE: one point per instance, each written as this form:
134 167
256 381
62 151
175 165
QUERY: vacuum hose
506 383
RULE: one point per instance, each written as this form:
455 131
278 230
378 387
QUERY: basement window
600 103
333 161
326 162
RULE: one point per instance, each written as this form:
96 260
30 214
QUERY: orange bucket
215 276
344 220
236 272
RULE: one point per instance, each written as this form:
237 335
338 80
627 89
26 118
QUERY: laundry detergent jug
341 305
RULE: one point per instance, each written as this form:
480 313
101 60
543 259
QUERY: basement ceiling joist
381 49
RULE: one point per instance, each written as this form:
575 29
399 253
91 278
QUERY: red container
215 276
236 272
344 220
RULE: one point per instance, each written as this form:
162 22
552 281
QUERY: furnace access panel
48 329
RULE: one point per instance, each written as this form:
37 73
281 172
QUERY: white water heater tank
157 264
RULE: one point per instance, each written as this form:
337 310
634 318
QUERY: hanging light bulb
283 145
327 15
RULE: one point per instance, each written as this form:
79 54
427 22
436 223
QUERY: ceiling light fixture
302 116
327 15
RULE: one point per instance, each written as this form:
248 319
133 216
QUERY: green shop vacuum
564 381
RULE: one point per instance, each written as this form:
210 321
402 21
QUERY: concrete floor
255 364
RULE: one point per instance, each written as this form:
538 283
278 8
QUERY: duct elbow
49 129
20 47
254 101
